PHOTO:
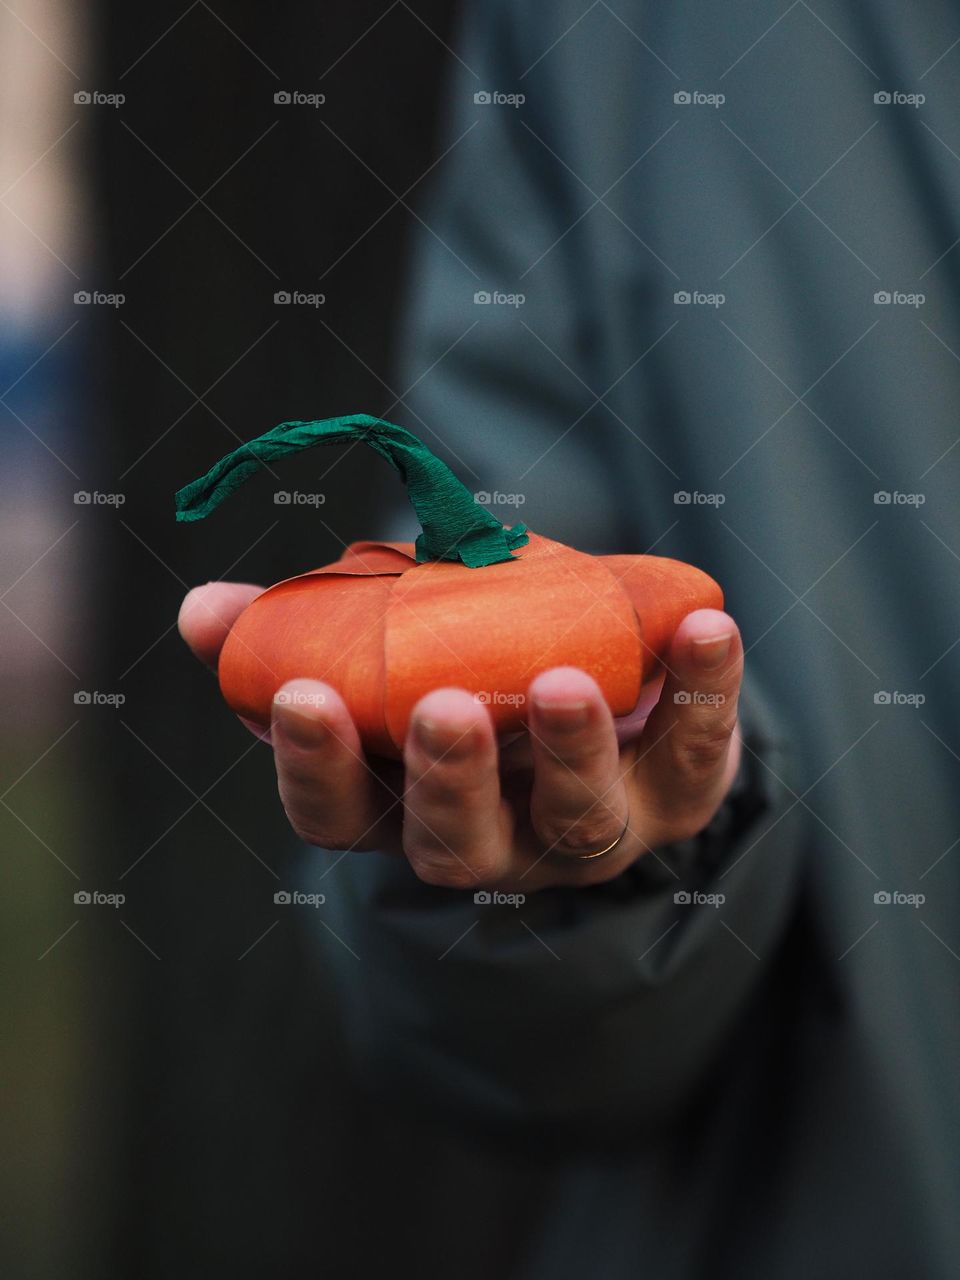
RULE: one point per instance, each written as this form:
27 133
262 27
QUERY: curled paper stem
453 525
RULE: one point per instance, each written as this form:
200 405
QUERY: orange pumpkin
470 604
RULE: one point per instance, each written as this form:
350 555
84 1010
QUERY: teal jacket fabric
739 344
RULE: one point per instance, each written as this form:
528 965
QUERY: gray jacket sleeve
589 1008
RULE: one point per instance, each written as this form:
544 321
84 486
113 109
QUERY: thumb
690 748
208 613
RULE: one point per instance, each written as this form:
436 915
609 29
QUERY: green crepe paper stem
453 525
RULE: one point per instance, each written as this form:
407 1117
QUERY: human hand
470 812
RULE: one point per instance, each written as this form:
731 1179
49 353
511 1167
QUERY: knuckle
700 752
309 834
575 755
435 866
587 832
296 773
437 793
299 796
450 787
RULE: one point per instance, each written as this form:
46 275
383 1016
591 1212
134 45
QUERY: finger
694 751
515 751
515 746
579 801
208 613
329 792
454 829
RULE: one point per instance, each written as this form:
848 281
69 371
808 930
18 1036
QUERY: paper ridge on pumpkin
493 634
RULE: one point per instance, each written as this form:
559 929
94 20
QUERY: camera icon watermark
94 498
486 498
493 898
93 97
697 698
695 98
897 298
696 298
296 298
94 898
886 898
295 498
299 698
497 298
296 898
95 298
694 498
498 698
494 98
894 498
896 98
294 98
894 698
96 698
695 898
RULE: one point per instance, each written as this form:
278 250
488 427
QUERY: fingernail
304 731
711 652
563 713
443 740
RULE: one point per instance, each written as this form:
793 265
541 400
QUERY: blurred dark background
178 1096
157 1041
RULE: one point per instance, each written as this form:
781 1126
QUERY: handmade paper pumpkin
471 603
